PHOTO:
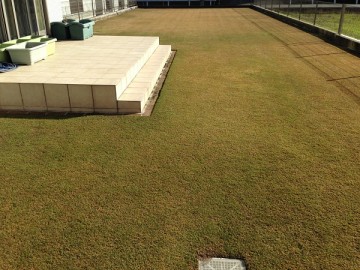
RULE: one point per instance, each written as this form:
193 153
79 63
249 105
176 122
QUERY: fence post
288 11
316 12
78 8
300 10
343 8
92 7
271 4
279 6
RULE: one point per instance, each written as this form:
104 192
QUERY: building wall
88 5
22 18
88 8
65 7
93 7
54 10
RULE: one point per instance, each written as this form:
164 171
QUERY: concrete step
136 95
134 70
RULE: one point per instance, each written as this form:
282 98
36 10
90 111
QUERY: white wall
54 10
65 7
88 5
59 9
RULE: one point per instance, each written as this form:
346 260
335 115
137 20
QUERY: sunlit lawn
250 153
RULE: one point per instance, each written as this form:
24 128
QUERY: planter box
4 54
50 45
50 42
81 30
31 38
60 30
27 53
13 42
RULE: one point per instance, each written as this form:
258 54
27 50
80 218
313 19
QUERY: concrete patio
104 74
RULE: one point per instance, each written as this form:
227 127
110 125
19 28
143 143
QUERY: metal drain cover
221 264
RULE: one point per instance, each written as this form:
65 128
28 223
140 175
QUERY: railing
82 9
343 19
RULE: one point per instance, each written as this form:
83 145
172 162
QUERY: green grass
330 21
250 153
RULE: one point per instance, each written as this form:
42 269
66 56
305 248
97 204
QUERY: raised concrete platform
134 98
86 76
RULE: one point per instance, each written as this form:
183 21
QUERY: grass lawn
330 21
250 153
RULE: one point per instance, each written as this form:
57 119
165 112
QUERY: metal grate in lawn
221 264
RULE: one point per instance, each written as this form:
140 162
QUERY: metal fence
343 19
82 9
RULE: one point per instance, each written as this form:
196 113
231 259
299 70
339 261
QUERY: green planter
81 30
60 30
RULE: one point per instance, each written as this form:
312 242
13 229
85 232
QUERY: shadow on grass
42 115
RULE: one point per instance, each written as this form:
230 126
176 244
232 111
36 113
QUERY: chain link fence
83 9
343 19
